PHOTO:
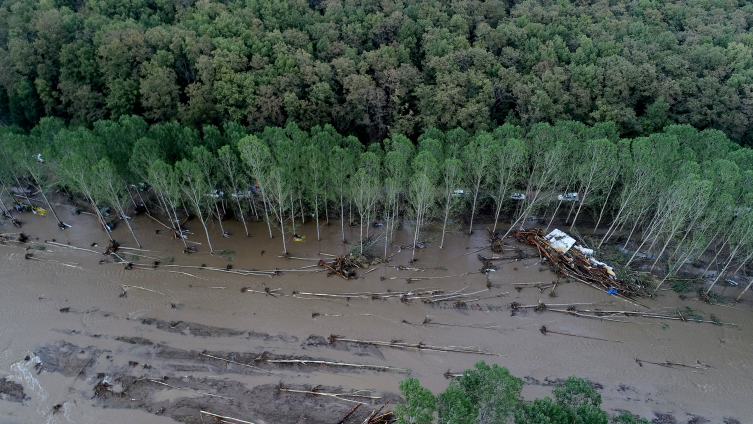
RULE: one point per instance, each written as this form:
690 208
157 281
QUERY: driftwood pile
343 266
575 265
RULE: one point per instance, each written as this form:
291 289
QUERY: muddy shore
85 341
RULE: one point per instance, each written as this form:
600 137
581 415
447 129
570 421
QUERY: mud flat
87 339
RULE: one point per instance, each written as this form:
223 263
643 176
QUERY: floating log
334 395
668 364
546 331
398 344
342 421
187 388
225 418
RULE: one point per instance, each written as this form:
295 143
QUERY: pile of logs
575 265
343 266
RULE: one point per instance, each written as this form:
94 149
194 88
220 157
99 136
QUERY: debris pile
343 265
575 261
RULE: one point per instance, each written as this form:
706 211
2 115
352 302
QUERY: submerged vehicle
568 197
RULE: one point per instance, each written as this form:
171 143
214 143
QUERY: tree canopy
371 69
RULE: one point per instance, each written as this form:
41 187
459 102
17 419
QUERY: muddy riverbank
90 342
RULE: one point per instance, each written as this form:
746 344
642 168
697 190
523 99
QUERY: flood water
206 310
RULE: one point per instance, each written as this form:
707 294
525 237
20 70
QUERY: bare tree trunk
446 216
292 212
142 200
122 213
743 292
209 242
282 227
266 213
342 216
101 218
303 214
177 222
473 208
316 207
243 218
606 201
219 218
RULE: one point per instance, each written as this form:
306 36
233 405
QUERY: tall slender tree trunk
303 214
316 206
446 216
342 215
240 209
122 213
49 205
743 292
219 218
580 205
252 203
292 213
101 218
176 223
142 199
266 213
606 201
473 208
326 209
206 231
282 226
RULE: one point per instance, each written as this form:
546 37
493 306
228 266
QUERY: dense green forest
490 394
668 197
373 68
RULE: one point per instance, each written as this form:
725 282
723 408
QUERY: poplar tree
230 165
195 188
111 188
258 159
477 159
422 190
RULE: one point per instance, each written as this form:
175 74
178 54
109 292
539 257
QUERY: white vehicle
216 194
458 192
518 196
568 197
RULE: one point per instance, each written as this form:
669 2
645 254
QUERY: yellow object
39 211
300 238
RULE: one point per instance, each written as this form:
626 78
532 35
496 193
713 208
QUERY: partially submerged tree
477 159
258 159
111 188
195 188
423 191
230 165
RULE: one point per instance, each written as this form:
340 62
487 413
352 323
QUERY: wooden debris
374 417
668 364
356 394
575 265
225 418
449 374
399 344
343 266
186 388
546 331
342 421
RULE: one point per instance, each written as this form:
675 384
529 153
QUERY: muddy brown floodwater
75 349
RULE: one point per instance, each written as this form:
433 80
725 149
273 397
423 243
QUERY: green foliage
419 405
375 68
490 394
